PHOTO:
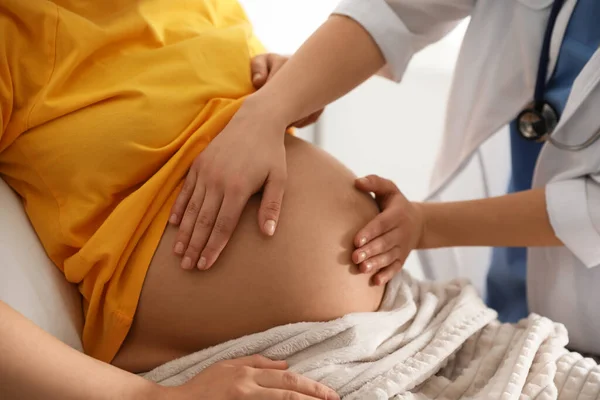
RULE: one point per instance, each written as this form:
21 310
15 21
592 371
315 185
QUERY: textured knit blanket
427 341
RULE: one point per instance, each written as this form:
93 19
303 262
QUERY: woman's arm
35 365
249 154
514 220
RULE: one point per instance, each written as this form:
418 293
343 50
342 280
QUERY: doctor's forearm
514 220
334 60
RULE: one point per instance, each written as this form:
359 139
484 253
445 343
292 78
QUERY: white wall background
383 128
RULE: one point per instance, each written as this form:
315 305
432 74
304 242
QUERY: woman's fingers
202 228
188 221
263 67
271 202
274 63
283 382
280 384
259 70
258 361
386 275
184 197
280 394
234 202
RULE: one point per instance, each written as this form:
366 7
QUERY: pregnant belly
303 273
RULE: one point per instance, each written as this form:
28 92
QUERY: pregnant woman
104 107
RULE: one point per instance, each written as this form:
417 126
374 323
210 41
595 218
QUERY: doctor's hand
247 156
249 378
384 244
263 68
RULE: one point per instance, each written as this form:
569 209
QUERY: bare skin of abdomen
303 273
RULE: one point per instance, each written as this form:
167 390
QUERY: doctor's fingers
387 274
384 222
381 261
379 245
384 189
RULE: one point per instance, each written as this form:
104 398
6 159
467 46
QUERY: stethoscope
538 120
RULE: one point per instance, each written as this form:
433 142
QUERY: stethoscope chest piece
537 121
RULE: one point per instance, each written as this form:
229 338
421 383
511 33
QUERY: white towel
427 341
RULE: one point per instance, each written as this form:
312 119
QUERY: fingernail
362 256
362 241
363 180
202 263
256 77
186 263
270 227
179 248
173 219
368 267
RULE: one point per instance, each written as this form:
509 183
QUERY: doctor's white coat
494 79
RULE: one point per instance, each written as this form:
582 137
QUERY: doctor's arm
362 38
563 213
522 219
514 220
339 56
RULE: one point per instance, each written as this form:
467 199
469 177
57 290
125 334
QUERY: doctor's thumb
376 184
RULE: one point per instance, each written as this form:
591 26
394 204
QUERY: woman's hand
247 155
385 243
249 378
263 68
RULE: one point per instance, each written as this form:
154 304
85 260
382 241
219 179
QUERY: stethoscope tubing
539 103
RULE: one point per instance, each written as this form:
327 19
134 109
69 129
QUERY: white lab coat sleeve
403 27
574 209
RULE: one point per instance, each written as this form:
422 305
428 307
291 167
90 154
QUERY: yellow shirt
103 107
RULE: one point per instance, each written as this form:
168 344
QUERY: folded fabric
427 341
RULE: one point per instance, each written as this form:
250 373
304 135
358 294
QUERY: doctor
532 64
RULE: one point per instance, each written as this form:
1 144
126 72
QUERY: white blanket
428 341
